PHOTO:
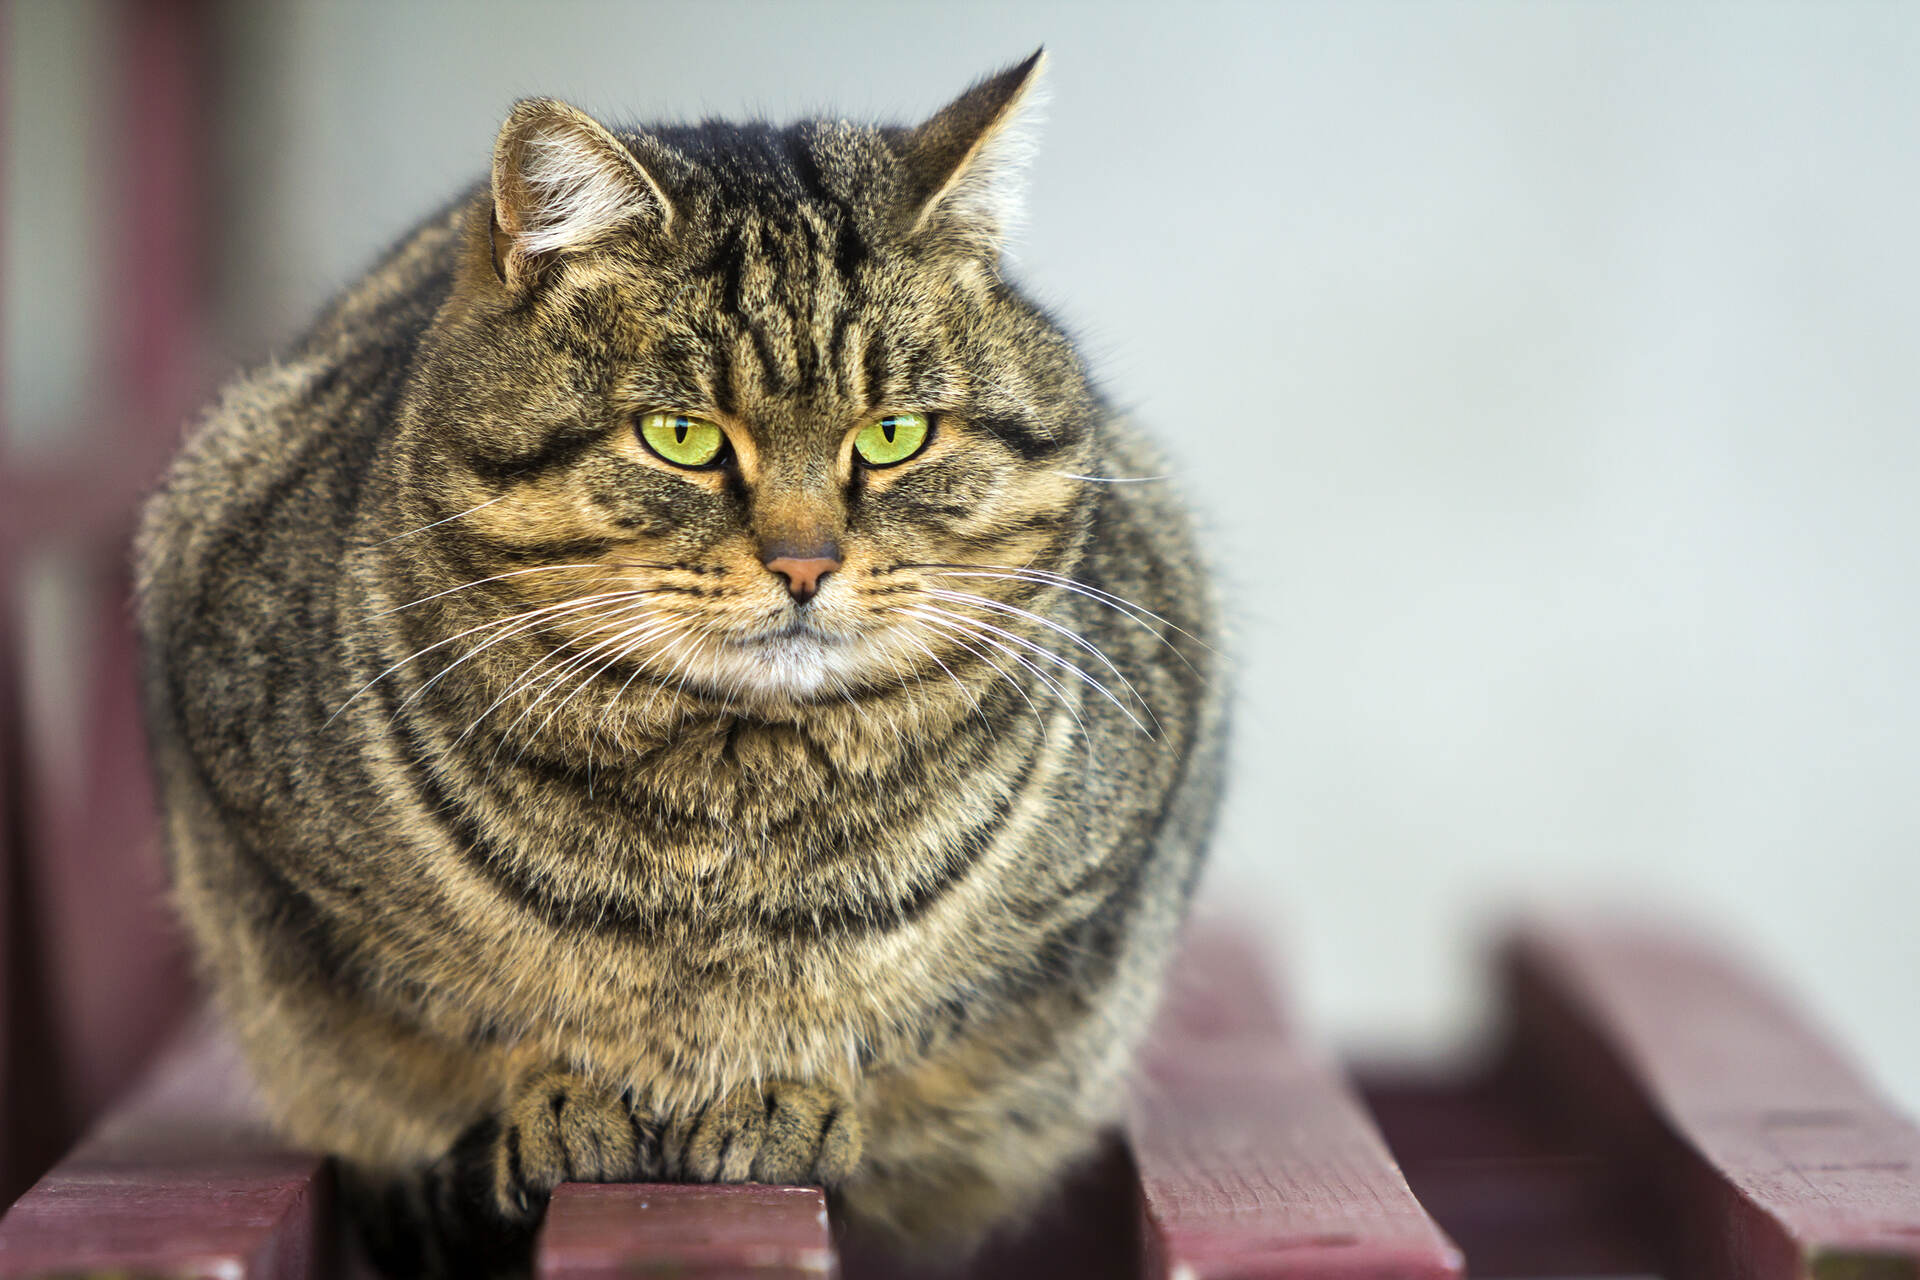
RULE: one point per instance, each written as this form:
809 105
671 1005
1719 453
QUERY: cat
658 684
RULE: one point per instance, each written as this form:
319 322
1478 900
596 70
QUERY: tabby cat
658 685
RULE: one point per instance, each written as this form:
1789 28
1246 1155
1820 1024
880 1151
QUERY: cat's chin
799 665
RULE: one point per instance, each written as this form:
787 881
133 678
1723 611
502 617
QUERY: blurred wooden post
1745 1148
91 976
1760 1151
691 1232
180 1180
10 764
1256 1160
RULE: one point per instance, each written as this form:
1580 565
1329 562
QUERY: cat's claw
777 1133
562 1127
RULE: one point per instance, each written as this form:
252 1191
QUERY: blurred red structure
90 974
1652 1109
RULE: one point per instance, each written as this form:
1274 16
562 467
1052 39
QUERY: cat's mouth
797 631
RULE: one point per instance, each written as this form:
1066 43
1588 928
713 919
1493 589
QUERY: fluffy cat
648 688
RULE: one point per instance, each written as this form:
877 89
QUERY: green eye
682 438
894 438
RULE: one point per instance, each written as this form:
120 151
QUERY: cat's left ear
562 183
967 165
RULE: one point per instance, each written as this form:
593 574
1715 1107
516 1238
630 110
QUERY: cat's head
764 388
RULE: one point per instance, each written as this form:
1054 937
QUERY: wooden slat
1089 1226
599 1232
1516 1192
178 1181
1765 1153
1256 1161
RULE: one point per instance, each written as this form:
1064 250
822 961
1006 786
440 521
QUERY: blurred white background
1546 375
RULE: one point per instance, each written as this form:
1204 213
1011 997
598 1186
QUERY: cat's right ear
964 166
561 184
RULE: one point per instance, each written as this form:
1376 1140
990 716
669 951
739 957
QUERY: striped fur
899 872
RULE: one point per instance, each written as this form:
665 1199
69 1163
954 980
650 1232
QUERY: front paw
561 1127
778 1132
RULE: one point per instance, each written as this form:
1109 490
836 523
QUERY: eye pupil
887 428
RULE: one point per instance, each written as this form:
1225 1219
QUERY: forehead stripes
791 322
790 301
784 308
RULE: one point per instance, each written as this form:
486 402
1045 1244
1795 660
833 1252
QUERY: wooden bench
1651 1110
1654 1109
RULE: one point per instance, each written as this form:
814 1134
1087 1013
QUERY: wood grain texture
178 1181
688 1232
1765 1152
1255 1159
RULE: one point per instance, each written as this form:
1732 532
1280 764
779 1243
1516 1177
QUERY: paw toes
812 1137
777 1133
722 1140
562 1128
840 1147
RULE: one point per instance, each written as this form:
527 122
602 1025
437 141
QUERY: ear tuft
967 164
562 183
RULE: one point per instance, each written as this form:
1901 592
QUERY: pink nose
803 573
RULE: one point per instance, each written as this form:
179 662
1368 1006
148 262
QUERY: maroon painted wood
688 1232
1090 1226
1763 1151
93 980
177 1181
10 781
1520 1195
1255 1159
154 350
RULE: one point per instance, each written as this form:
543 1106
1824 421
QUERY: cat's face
749 408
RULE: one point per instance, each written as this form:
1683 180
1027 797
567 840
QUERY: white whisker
420 653
477 582
621 692
540 618
610 621
621 644
437 523
1052 685
962 597
1040 649
933 657
1048 578
667 660
1004 674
